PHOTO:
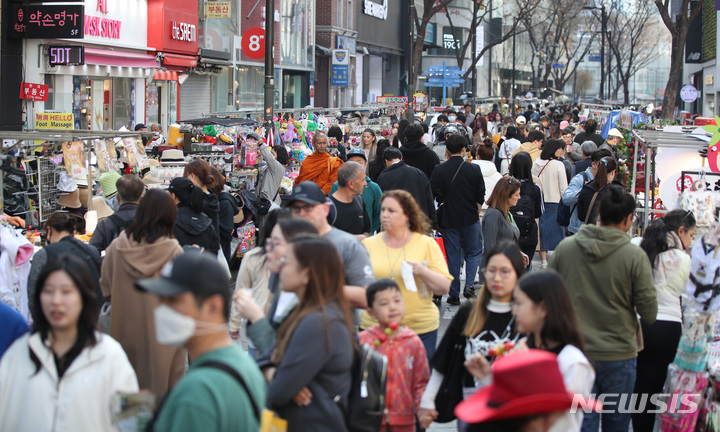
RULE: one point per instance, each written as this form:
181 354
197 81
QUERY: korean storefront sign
392 100
54 121
218 9
173 26
340 67
116 21
35 92
41 21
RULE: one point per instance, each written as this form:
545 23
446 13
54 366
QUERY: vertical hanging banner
340 67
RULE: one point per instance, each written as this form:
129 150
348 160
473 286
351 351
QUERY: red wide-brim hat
524 384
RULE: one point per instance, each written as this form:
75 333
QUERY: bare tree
558 34
631 38
481 12
678 26
583 82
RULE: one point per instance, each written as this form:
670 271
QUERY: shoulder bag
441 206
589 210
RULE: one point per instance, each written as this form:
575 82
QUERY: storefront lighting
83 111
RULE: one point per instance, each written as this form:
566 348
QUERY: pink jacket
408 373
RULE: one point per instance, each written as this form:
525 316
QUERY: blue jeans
616 378
458 241
429 339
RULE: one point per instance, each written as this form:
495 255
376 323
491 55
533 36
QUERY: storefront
172 30
297 54
381 45
108 91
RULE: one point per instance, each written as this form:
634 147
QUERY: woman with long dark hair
264 319
530 205
498 224
544 312
550 170
198 171
592 192
400 139
665 241
480 129
377 165
478 327
228 210
270 178
64 375
141 251
314 350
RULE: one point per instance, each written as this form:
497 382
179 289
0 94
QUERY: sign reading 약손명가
218 9
35 92
42 21
54 121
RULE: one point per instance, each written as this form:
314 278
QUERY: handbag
270 422
441 206
104 318
451 391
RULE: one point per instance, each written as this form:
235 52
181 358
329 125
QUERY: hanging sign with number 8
253 43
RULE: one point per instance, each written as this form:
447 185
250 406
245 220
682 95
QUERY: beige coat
158 367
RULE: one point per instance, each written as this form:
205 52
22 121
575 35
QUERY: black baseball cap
140 126
307 192
357 151
198 273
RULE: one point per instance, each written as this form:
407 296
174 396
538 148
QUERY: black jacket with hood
228 210
418 155
195 228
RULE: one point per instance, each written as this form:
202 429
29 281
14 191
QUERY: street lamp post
410 113
269 87
603 25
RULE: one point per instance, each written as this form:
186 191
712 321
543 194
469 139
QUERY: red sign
173 26
253 43
36 92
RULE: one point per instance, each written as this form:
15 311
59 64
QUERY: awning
161 75
323 50
179 60
105 57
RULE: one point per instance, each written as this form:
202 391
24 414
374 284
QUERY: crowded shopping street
337 216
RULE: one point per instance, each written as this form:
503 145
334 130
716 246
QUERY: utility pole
269 65
512 80
489 51
603 25
410 113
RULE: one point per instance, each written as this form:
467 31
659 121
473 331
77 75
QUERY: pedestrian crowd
366 249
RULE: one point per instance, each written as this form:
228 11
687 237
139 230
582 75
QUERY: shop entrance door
161 104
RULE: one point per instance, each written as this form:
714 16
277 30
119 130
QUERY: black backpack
524 215
365 406
564 211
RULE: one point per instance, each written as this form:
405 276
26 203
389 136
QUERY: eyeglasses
297 209
491 273
270 245
512 180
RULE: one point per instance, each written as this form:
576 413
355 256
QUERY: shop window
121 103
223 100
81 102
50 102
248 86
297 33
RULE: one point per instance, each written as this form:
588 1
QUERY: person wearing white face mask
223 389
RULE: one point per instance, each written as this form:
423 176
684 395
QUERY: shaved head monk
320 167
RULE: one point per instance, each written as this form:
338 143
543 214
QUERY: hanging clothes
15 254
704 283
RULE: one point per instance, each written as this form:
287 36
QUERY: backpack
565 212
365 406
524 215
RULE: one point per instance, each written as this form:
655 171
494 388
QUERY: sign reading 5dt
64 55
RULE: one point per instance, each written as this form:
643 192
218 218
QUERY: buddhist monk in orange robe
320 167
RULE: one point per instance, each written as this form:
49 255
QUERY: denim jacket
570 197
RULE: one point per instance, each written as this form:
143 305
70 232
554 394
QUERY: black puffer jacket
418 155
228 210
195 228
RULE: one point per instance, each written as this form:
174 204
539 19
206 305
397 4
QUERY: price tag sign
253 43
64 55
